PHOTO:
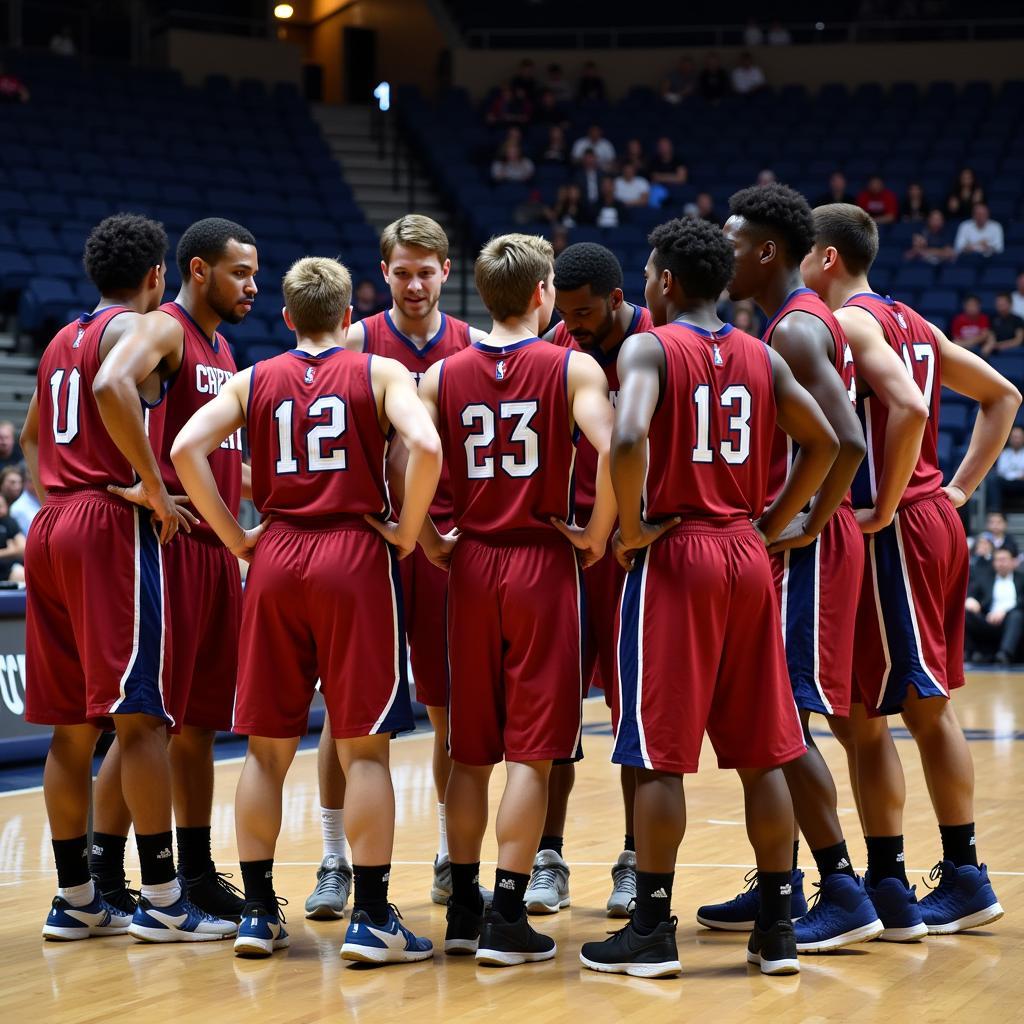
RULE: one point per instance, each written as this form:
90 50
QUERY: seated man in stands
996 530
994 610
1007 478
12 546
970 327
1007 329
932 245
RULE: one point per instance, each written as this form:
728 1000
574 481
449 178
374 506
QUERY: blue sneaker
261 930
841 914
897 909
740 913
182 921
963 899
65 923
388 943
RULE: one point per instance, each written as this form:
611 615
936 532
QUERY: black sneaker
775 949
507 943
212 893
463 932
627 951
123 897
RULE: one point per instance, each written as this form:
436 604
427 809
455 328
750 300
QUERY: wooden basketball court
974 977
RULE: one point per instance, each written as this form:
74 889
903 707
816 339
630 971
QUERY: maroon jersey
206 365
710 438
586 456
315 440
75 449
383 338
913 340
784 448
506 429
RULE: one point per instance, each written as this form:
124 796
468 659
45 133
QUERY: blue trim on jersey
907 668
860 489
887 299
212 342
87 318
627 749
505 349
431 342
800 621
300 354
774 319
399 717
703 332
608 358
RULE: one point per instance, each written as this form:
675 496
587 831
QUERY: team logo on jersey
308 379
901 320
78 337
717 354
499 370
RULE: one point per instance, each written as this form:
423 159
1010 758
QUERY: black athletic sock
958 844
509 893
466 886
775 889
551 843
653 900
156 858
796 854
885 858
371 891
629 843
107 861
833 860
258 881
72 859
194 855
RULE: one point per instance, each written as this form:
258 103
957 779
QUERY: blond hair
507 271
417 231
317 292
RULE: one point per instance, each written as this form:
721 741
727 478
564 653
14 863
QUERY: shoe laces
278 901
545 876
624 877
331 882
220 879
944 879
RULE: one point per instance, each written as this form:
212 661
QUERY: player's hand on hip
393 535
245 547
793 536
441 554
626 546
590 548
956 495
168 509
871 521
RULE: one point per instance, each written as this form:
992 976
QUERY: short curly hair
696 252
587 263
207 239
121 250
780 210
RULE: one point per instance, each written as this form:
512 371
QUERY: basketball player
771 230
323 597
595 319
910 620
180 344
698 407
506 409
96 614
415 265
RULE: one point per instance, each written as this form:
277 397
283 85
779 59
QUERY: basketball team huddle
725 534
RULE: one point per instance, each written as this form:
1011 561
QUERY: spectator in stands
765 176
965 193
62 43
366 300
1017 298
743 319
1007 329
753 35
665 167
601 147
836 192
24 509
980 235
12 483
914 207
932 245
569 209
557 84
10 451
997 531
994 610
630 189
703 207
559 239
635 155
12 546
12 88
1007 478
878 201
588 178
981 551
511 164
970 328
747 77
778 35
611 211
713 81
591 88
556 149
681 83
525 79
509 106
550 111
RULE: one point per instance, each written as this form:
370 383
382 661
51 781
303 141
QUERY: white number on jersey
922 353
479 465
316 462
69 413
735 451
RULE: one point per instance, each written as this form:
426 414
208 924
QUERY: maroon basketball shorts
424 594
602 588
910 620
205 589
514 647
323 601
700 648
97 638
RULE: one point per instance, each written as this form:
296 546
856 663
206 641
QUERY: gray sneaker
623 884
333 885
441 888
548 891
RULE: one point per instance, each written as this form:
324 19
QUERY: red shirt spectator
880 202
971 327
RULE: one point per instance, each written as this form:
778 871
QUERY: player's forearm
193 468
121 412
837 483
991 429
422 472
602 517
30 450
809 470
628 466
903 434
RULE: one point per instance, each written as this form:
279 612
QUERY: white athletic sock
79 895
442 832
332 828
164 894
